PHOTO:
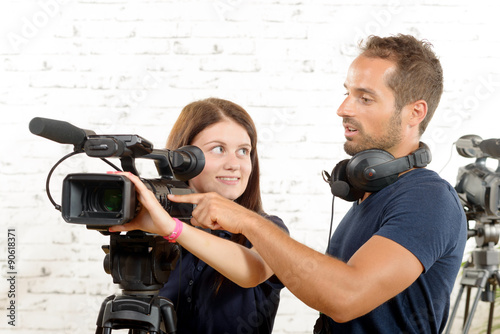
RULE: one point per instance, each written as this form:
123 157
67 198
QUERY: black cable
47 182
69 155
331 226
179 263
111 164
449 159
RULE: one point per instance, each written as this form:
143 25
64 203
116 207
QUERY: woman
220 285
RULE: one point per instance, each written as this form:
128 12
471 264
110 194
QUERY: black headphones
371 171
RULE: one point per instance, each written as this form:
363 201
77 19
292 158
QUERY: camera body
477 185
478 188
103 200
481 188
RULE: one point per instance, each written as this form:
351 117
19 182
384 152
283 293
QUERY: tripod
482 273
140 263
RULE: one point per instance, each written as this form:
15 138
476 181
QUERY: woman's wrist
172 237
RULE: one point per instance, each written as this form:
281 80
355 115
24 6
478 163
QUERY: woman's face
226 146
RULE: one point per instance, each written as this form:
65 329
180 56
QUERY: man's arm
378 271
241 265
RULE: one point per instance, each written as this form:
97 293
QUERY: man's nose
346 108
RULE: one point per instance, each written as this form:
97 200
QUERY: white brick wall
129 66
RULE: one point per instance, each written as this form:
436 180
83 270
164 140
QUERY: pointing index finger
194 198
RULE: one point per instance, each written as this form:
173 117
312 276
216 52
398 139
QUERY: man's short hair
418 74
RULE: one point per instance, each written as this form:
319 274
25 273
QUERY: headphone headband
419 158
372 170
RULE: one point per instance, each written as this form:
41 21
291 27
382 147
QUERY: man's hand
215 212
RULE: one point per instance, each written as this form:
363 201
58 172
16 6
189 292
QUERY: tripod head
485 255
140 262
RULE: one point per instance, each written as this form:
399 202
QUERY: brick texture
122 66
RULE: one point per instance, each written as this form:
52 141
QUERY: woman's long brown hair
197 116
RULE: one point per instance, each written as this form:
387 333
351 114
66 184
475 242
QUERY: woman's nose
232 163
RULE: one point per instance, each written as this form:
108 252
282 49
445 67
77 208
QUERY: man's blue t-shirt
421 212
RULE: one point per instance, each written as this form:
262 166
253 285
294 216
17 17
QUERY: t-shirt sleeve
273 281
278 222
426 220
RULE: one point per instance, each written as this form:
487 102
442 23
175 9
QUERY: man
395 256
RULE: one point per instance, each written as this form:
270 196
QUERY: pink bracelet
177 231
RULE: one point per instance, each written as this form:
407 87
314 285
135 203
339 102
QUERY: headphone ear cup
340 185
359 177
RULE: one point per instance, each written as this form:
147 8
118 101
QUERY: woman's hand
152 217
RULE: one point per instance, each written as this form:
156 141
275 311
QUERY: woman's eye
217 149
243 151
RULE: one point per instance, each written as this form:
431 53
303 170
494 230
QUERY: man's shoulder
423 177
426 187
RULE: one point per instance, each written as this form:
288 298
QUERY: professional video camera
478 188
139 262
104 200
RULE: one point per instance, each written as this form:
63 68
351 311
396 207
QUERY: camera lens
110 199
98 200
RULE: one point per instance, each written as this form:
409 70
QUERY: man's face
369 113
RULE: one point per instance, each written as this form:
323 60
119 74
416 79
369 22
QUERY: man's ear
418 112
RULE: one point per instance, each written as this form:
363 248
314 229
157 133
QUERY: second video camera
478 185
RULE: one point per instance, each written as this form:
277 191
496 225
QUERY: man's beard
392 137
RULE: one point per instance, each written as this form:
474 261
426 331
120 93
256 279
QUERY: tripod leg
99 329
169 316
490 318
467 306
473 310
492 307
455 308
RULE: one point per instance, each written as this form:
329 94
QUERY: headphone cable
331 227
